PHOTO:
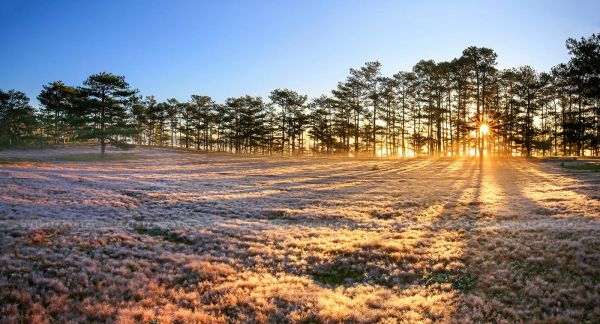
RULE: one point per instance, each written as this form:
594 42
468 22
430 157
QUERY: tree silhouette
292 116
437 108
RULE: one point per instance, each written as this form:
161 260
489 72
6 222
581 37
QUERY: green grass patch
461 280
528 270
593 167
337 275
163 234
13 160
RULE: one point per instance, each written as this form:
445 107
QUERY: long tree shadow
424 258
528 258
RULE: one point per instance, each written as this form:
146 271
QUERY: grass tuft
162 233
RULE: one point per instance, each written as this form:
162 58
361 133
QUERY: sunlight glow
484 128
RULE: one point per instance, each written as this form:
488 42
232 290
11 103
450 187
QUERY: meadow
156 235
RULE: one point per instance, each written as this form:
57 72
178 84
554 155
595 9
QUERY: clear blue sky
231 48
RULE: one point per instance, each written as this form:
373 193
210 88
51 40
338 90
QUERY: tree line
466 106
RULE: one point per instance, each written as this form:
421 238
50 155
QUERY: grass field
164 236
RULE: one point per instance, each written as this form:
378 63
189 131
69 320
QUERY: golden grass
190 238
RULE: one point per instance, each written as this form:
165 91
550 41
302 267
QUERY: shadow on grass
163 234
337 275
378 265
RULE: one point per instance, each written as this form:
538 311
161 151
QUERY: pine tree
17 118
57 100
106 97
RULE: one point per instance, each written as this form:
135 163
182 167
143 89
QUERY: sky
173 49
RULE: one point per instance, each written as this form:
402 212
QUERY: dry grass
209 238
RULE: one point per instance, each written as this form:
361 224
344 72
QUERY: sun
484 128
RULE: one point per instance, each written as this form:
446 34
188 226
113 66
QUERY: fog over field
173 236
